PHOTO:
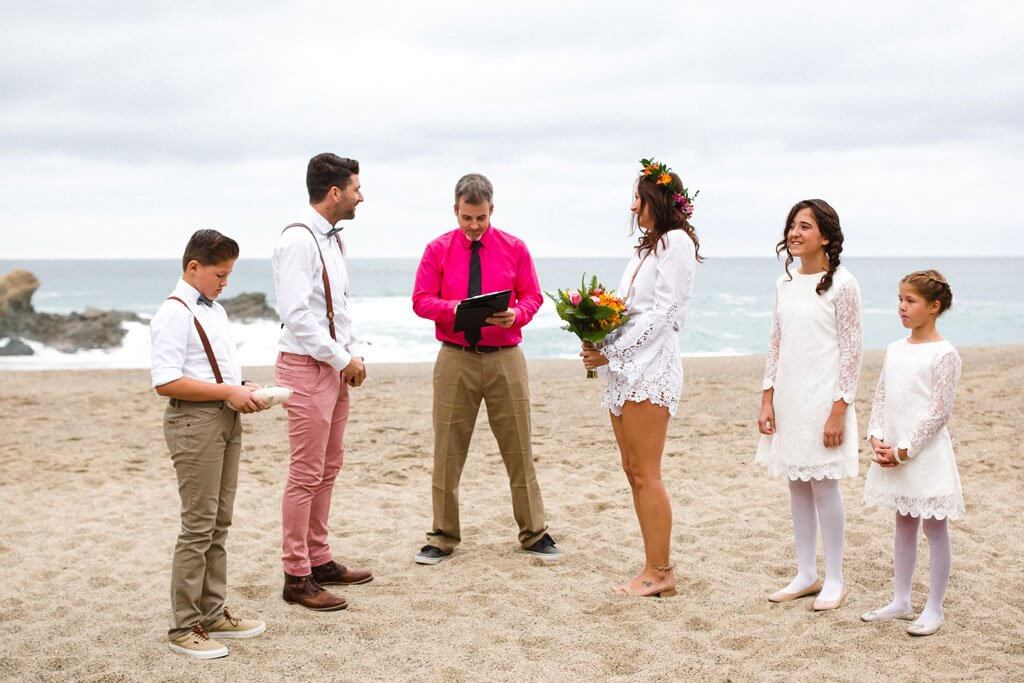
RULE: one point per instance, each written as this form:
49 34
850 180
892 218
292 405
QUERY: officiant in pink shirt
477 365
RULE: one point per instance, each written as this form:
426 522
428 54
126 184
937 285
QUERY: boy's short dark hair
209 248
328 170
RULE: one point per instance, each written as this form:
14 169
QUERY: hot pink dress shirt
442 281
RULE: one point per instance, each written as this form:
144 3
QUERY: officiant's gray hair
475 189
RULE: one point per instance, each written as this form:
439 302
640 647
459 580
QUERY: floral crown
661 174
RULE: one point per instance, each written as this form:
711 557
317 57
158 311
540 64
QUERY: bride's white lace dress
643 355
913 402
814 358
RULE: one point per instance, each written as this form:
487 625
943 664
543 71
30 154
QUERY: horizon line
535 257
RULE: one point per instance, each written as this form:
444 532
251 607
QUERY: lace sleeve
876 423
945 376
675 264
771 365
850 333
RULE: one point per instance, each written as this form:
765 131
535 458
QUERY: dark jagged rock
16 347
90 329
248 306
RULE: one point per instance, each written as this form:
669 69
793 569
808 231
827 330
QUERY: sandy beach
89 512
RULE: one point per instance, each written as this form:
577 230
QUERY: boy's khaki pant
461 380
204 440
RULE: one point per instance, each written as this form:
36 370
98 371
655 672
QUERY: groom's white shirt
301 303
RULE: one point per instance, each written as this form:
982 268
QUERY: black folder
472 312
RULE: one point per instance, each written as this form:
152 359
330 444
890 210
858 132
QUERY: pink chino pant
317 415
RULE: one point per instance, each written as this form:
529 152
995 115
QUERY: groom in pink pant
319 359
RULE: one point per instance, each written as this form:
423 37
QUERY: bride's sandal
663 593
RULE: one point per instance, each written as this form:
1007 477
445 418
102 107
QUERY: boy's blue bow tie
334 231
203 301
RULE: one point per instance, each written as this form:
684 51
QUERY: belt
181 403
477 349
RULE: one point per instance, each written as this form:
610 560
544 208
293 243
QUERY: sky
124 127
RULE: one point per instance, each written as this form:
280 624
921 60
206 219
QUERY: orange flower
664 179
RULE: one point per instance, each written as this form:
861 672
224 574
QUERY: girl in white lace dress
644 370
914 469
808 423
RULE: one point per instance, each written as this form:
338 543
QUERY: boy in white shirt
195 364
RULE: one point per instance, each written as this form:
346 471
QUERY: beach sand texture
89 512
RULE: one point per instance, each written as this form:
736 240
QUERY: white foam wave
394 334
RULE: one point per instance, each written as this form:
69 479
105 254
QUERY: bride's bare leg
644 428
620 439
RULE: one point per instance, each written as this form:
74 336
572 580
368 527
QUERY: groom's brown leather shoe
334 574
305 591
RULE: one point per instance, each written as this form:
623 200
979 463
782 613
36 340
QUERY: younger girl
807 419
914 469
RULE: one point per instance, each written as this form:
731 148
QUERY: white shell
273 395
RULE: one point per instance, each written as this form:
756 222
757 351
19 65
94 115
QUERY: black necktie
203 301
473 336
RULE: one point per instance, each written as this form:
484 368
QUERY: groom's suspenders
204 339
327 281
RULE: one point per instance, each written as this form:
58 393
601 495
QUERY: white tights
811 502
904 556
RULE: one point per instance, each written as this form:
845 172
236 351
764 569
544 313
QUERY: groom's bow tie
203 301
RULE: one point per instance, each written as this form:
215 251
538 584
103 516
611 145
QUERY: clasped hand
885 454
241 399
592 358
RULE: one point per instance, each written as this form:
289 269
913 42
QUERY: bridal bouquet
591 312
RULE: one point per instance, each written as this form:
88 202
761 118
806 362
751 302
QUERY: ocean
730 313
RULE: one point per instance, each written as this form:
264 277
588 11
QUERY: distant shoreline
885 257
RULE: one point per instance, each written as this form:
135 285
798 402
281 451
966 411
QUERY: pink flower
575 298
595 299
598 292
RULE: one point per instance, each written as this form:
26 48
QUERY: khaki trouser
204 440
461 380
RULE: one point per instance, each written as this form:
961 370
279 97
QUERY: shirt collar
187 292
320 223
485 239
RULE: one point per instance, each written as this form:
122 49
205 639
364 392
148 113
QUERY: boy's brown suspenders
204 339
323 269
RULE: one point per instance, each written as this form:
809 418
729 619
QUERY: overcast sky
126 126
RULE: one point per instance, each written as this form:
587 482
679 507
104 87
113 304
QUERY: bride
645 374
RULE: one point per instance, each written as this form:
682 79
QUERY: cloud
172 116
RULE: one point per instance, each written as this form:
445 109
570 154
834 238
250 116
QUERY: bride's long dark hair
666 213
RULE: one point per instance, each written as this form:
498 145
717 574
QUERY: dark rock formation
90 329
248 306
16 347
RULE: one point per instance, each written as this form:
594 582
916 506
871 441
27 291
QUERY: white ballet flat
273 395
876 615
919 629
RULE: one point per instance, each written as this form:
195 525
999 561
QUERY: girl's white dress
643 355
913 403
814 357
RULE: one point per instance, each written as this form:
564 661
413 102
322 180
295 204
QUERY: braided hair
933 286
828 225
